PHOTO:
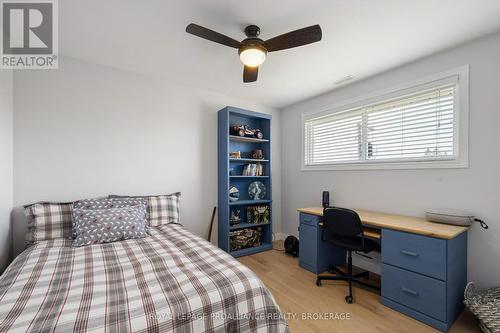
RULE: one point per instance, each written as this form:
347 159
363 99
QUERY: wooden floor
295 291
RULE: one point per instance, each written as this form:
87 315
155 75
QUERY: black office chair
342 227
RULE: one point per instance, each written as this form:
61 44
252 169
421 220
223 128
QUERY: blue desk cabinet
314 254
424 277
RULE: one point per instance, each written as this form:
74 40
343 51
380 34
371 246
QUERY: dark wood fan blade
295 38
250 74
214 36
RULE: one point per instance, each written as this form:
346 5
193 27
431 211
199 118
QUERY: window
413 127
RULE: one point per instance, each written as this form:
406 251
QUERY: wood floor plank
298 296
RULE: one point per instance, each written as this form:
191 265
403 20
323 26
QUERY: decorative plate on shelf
257 190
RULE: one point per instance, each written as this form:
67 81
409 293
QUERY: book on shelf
253 169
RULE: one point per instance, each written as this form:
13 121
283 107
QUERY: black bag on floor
292 246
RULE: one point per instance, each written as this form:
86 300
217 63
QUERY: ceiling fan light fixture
253 50
253 56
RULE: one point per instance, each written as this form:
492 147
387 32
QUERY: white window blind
414 127
334 138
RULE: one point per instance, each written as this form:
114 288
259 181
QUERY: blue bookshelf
230 174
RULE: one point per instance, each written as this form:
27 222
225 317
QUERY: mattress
171 281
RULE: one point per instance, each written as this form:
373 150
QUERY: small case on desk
450 216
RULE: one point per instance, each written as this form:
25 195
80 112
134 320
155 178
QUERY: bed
171 281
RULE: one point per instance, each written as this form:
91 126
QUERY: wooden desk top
409 224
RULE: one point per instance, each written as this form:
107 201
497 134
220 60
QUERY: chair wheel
349 300
318 282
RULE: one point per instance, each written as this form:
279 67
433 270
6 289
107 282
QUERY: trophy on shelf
235 217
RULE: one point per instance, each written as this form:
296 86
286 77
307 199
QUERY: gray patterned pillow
105 203
162 209
96 226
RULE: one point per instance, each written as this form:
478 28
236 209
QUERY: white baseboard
280 236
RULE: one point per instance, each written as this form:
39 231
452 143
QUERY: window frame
460 127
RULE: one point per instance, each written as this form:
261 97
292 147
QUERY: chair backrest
342 222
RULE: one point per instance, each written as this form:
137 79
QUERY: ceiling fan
253 50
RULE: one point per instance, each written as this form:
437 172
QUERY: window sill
445 164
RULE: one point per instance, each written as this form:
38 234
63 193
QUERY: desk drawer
309 219
415 291
417 253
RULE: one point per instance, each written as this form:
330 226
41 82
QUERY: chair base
350 278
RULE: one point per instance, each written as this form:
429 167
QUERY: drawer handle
409 291
307 220
409 253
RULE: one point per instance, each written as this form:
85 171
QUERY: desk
409 224
424 264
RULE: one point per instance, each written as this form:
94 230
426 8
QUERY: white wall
6 156
87 130
410 192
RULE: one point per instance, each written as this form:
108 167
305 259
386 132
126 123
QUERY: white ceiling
360 38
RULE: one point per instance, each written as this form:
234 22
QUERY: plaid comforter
171 281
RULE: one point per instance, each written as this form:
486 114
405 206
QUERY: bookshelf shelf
249 202
250 160
227 144
247 225
248 176
252 250
245 139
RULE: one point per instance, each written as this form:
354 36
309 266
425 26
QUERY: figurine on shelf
235 217
244 130
257 154
235 154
